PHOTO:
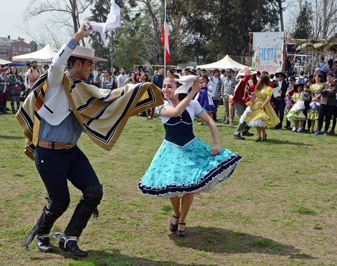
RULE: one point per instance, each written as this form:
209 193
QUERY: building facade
10 47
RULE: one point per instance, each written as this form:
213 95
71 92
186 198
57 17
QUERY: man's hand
82 32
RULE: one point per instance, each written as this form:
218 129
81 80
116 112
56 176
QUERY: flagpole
165 14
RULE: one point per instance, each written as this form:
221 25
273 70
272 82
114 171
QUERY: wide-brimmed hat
193 71
242 72
87 53
280 73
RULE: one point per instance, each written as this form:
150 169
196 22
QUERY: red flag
165 37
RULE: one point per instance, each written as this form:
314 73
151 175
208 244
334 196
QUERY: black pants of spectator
325 111
279 106
56 167
334 120
216 104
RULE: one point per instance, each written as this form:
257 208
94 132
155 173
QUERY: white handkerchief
187 82
112 21
276 92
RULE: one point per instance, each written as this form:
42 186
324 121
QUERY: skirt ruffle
176 170
256 123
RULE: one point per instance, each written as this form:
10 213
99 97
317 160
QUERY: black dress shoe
181 233
43 243
174 227
238 136
248 134
70 244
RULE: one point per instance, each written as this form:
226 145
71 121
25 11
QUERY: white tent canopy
4 62
224 63
46 54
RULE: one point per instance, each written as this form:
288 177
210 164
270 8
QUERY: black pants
279 106
334 118
216 104
325 111
57 166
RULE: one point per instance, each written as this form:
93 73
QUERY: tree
65 13
34 45
303 28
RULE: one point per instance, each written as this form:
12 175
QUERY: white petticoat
256 123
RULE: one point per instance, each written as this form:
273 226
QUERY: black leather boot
53 210
69 244
43 225
85 208
43 243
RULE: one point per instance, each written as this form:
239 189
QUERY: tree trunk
324 19
281 14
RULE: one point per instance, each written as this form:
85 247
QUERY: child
296 112
306 97
289 100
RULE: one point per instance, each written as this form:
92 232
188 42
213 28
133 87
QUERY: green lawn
279 208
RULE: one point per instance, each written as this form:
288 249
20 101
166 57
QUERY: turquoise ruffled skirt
177 170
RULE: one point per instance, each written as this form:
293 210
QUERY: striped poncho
102 113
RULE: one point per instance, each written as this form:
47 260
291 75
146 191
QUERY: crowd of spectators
319 104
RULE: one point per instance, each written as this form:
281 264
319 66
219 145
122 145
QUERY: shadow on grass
218 240
12 137
280 141
109 257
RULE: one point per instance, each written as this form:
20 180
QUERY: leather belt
55 145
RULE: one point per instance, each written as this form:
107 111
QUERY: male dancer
67 106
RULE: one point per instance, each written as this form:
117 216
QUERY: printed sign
268 51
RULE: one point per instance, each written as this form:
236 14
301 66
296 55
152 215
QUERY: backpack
300 80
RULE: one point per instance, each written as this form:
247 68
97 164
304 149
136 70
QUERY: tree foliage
199 30
303 28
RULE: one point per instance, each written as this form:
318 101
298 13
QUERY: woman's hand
196 85
216 149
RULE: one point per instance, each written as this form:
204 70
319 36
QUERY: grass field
279 208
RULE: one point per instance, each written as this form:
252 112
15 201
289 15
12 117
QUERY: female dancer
263 114
204 97
185 165
315 98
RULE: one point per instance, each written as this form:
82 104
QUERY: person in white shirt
121 78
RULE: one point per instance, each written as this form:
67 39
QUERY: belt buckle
68 146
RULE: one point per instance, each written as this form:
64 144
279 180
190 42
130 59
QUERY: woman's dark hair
146 77
264 80
254 79
107 70
309 80
171 71
320 76
16 73
72 59
205 77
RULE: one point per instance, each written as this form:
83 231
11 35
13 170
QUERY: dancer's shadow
280 141
12 137
110 257
218 240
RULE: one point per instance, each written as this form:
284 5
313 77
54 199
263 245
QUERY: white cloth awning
4 62
224 63
46 54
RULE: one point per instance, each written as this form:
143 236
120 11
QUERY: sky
11 12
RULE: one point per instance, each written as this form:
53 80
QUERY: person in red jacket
242 94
